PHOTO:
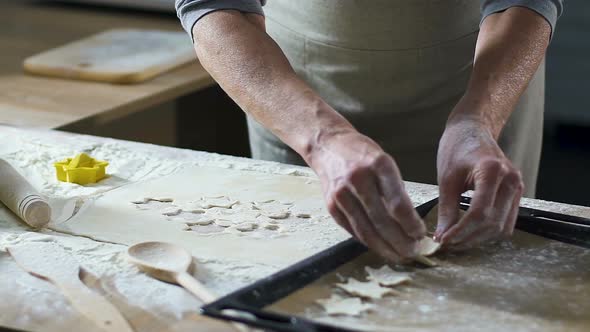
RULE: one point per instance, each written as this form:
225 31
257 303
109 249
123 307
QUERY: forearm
510 47
251 68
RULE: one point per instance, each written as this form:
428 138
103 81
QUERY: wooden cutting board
115 56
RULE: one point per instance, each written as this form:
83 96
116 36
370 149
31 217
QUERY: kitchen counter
150 305
30 27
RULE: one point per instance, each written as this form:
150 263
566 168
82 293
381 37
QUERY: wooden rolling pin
21 198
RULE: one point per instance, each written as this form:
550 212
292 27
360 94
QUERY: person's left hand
470 158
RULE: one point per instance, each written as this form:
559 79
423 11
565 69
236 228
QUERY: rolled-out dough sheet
113 218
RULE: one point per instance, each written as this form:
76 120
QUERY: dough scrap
271 227
276 214
141 200
246 226
387 277
427 246
163 199
266 220
337 305
203 221
192 207
171 211
235 217
145 200
220 202
272 209
223 223
371 290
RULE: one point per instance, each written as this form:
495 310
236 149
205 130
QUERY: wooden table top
29 27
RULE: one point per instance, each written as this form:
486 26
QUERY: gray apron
395 69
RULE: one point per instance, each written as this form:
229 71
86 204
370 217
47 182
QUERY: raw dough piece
427 246
387 277
338 305
276 214
271 227
192 207
141 200
263 202
246 227
370 289
220 202
303 215
147 199
223 223
235 216
171 211
163 199
266 220
272 209
203 221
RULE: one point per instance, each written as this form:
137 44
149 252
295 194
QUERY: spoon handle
195 287
93 306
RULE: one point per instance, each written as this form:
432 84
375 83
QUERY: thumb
448 208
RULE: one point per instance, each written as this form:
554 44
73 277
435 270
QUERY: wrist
321 126
476 109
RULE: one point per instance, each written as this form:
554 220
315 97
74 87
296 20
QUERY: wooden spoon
170 263
49 261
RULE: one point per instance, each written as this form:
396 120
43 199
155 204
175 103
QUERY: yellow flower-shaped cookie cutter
82 169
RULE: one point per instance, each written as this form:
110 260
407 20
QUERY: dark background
565 165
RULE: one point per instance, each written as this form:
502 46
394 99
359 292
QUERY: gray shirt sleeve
190 11
549 9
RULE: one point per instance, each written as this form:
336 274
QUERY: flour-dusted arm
362 185
511 45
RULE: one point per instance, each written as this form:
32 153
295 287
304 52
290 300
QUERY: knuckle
358 174
479 214
361 234
339 193
397 207
381 160
492 166
514 179
496 227
332 206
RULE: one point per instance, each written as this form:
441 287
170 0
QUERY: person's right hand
365 194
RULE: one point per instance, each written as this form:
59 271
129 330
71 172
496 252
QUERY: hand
365 194
470 158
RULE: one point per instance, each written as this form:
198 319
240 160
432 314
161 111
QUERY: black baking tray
247 304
